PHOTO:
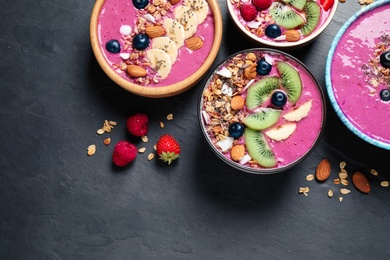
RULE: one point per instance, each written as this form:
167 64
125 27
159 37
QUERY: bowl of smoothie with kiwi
282 24
261 111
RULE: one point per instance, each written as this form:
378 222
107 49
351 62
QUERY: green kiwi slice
261 91
258 148
286 17
262 119
313 12
298 4
291 81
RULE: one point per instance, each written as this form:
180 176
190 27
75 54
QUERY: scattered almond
361 183
323 170
107 141
237 152
154 31
91 149
135 71
292 35
173 2
237 102
250 72
194 43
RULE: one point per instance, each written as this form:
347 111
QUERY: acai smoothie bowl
358 74
262 111
155 48
282 24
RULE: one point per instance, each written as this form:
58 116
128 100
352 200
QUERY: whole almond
323 170
292 35
194 43
237 152
361 183
237 103
173 2
135 71
154 31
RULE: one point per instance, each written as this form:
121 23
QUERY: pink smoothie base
308 130
349 89
115 13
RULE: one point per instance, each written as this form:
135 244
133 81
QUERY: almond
194 43
237 103
173 2
292 35
323 170
361 183
154 31
250 72
135 71
237 152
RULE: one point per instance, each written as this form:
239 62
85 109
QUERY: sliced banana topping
167 45
186 16
160 61
175 31
200 8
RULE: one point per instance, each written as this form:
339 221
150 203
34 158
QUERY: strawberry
248 12
262 4
326 4
168 149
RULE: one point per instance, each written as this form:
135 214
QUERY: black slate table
58 203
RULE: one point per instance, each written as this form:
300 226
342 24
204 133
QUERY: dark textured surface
58 203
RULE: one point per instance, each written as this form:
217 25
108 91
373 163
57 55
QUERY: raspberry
262 4
124 153
248 12
137 124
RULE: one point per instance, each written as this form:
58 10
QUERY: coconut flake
224 72
226 90
280 38
149 18
253 24
124 55
249 84
268 58
125 29
226 144
245 159
206 117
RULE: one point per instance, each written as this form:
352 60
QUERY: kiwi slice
298 4
286 17
313 12
261 91
291 81
258 148
262 119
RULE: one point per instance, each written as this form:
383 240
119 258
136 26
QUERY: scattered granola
107 141
91 149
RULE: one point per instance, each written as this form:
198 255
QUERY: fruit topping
291 81
299 113
160 61
168 149
248 12
113 46
259 149
313 13
286 17
273 30
263 67
281 132
200 8
385 59
261 91
124 153
140 4
262 119
175 31
326 4
187 18
278 99
262 4
385 94
167 45
236 130
140 41
137 124
297 4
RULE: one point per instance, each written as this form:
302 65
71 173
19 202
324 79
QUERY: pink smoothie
355 73
308 129
116 13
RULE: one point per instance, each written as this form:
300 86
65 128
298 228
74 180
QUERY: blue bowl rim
328 82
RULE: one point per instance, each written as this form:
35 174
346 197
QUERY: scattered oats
342 165
107 141
343 170
340 199
337 181
150 156
161 124
345 191
155 147
100 131
91 149
374 172
342 1
384 183
343 175
304 190
144 139
113 123
310 177
142 150
345 182
170 117
330 193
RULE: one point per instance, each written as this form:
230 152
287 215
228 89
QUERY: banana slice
175 31
160 61
167 45
200 8
186 16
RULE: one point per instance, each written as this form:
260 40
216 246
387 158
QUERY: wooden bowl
150 90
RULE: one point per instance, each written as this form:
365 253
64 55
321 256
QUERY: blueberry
113 46
385 94
140 4
140 41
273 30
236 130
278 99
263 67
385 59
